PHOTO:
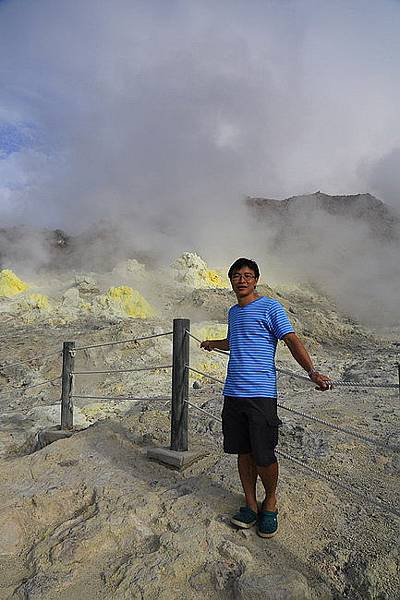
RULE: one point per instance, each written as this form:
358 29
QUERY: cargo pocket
273 425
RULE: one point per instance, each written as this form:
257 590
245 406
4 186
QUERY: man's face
244 282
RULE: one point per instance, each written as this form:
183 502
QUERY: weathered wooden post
177 455
398 375
180 386
67 406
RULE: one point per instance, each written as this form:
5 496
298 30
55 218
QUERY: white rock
276 586
71 298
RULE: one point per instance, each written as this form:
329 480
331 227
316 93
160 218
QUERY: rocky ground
92 517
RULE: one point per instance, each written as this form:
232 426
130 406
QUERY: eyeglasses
245 276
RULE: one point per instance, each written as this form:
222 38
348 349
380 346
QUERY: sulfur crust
10 284
214 279
130 301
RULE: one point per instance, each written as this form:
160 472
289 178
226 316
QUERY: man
249 417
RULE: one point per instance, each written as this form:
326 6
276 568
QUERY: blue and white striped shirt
253 334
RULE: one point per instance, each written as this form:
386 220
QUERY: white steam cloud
162 116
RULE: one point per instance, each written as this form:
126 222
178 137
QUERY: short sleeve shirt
253 334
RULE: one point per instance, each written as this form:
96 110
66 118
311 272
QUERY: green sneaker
267 525
245 518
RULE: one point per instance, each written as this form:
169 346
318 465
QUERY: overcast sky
155 109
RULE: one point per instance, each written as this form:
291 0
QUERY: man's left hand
322 381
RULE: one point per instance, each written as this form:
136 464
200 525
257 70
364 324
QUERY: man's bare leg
248 476
269 478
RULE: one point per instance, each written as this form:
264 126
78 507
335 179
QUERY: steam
346 258
158 118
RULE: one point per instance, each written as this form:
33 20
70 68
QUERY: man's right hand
207 345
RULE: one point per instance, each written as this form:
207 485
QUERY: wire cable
163 399
197 340
378 502
28 360
355 434
110 371
137 339
22 388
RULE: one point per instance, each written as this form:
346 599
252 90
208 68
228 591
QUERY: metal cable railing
355 434
160 398
28 387
376 501
110 371
70 374
333 480
338 382
180 366
29 360
136 339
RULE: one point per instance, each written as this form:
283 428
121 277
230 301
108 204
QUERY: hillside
382 221
90 517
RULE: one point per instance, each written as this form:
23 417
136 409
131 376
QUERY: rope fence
180 397
122 370
160 398
374 441
137 339
337 383
32 359
334 480
341 382
28 387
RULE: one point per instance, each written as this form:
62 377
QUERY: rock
276 586
71 298
48 416
201 580
11 534
193 271
10 284
18 432
373 578
225 573
129 268
236 553
86 284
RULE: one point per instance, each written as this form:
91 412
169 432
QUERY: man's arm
215 345
301 355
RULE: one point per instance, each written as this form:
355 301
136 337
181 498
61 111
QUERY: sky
150 106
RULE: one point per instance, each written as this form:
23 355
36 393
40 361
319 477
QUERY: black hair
244 262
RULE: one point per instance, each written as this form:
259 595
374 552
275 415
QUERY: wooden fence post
180 386
67 405
398 375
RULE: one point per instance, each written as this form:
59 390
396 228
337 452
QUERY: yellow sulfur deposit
10 284
192 270
97 411
214 279
209 367
211 331
129 301
85 306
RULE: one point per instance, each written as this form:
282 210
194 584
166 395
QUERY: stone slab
48 436
173 458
